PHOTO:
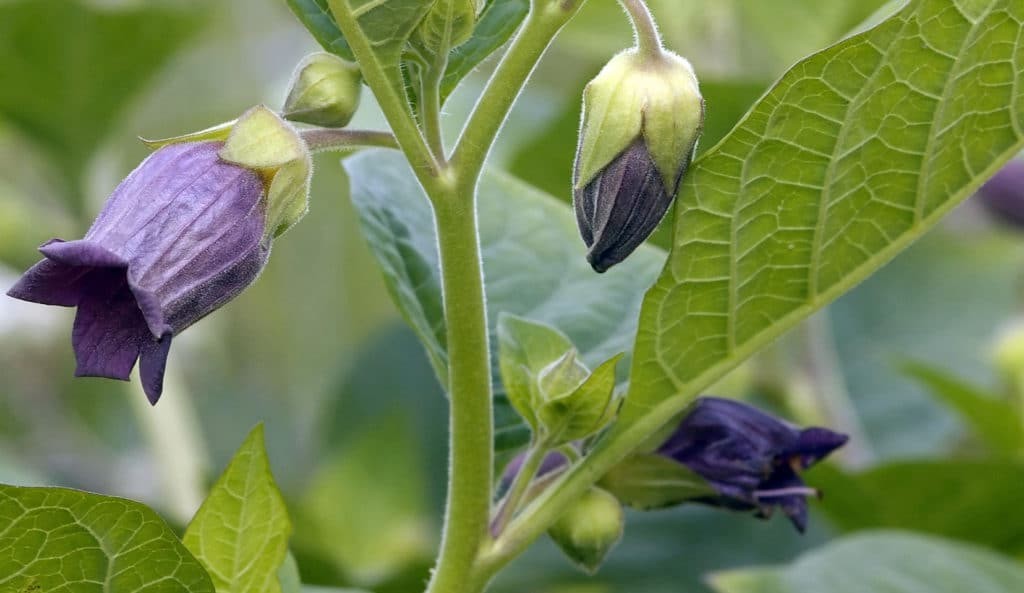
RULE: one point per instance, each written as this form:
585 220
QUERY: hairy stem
520 484
546 18
471 419
430 106
393 103
647 38
328 139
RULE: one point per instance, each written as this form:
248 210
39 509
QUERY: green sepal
583 410
589 529
525 349
217 133
648 481
656 97
324 91
264 142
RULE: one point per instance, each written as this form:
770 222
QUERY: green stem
520 484
394 104
545 19
471 419
648 41
328 139
430 105
546 508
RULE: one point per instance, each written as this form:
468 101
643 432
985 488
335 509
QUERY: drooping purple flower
1003 194
752 459
182 235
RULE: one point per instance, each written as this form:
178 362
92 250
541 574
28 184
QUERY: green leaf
497 22
994 420
648 481
70 68
54 539
383 27
889 561
525 348
584 410
534 265
316 16
967 500
815 189
241 531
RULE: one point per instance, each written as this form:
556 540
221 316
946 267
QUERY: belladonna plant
856 152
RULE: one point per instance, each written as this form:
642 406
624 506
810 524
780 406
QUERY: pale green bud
642 116
589 529
1008 352
324 91
447 25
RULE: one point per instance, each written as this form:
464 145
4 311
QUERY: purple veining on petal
179 237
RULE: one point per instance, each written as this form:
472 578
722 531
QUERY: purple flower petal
179 237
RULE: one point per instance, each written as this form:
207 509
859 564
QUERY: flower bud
589 529
324 91
1008 352
642 116
447 25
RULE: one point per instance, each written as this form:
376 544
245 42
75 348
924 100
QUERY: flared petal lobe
179 237
751 458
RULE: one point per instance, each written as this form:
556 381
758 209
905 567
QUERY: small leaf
813 190
889 561
525 349
534 266
584 410
241 532
994 420
648 481
55 539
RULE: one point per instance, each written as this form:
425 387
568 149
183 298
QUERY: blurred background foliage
355 418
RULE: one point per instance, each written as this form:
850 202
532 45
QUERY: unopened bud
589 529
447 25
324 91
642 116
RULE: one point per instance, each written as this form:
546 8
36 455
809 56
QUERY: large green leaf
965 500
855 153
70 67
54 539
534 263
241 532
883 562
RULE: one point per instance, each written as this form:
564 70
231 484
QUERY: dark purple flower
752 459
182 235
1003 195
